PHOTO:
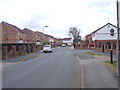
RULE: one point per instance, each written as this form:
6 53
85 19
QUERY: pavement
96 74
9 62
105 54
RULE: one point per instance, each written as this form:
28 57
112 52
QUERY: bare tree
75 33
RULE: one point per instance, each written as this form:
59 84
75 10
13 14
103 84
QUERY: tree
45 42
75 33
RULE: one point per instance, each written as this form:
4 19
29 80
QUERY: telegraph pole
118 41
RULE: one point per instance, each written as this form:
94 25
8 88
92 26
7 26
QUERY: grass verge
113 66
90 53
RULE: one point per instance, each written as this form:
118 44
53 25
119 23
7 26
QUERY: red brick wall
22 36
23 50
31 36
10 33
44 37
41 36
89 39
103 46
38 37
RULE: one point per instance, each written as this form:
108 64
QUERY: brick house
103 40
41 37
89 41
50 38
11 34
38 38
30 36
67 41
89 38
58 41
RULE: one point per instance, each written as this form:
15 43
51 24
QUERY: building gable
103 33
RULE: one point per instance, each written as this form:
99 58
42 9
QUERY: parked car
63 45
47 48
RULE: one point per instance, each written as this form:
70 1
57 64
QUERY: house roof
65 39
27 29
48 35
12 25
103 27
44 34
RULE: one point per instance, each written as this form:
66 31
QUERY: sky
59 15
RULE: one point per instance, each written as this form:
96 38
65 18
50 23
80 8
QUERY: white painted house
103 33
67 41
105 38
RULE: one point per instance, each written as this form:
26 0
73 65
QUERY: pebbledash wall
103 40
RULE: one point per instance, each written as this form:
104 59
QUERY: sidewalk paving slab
17 59
95 71
9 62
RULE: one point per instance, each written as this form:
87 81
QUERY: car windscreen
47 46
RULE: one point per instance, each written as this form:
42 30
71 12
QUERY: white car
63 45
47 48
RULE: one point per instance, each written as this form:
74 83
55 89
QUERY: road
64 68
59 69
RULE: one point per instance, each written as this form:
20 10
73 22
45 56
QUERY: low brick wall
84 46
105 50
22 50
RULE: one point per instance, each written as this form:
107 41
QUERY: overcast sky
58 15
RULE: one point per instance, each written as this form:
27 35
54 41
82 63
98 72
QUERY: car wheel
44 51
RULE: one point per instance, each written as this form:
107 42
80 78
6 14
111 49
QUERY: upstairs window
18 32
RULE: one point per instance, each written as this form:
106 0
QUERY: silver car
47 48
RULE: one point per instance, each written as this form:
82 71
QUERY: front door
102 48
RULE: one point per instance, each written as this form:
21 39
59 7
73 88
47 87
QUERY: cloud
100 3
34 22
59 15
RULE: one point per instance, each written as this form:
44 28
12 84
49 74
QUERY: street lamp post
43 28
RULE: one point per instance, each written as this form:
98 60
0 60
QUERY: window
99 45
114 45
36 35
25 35
109 45
20 41
18 32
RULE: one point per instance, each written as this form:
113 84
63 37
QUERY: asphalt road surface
59 69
